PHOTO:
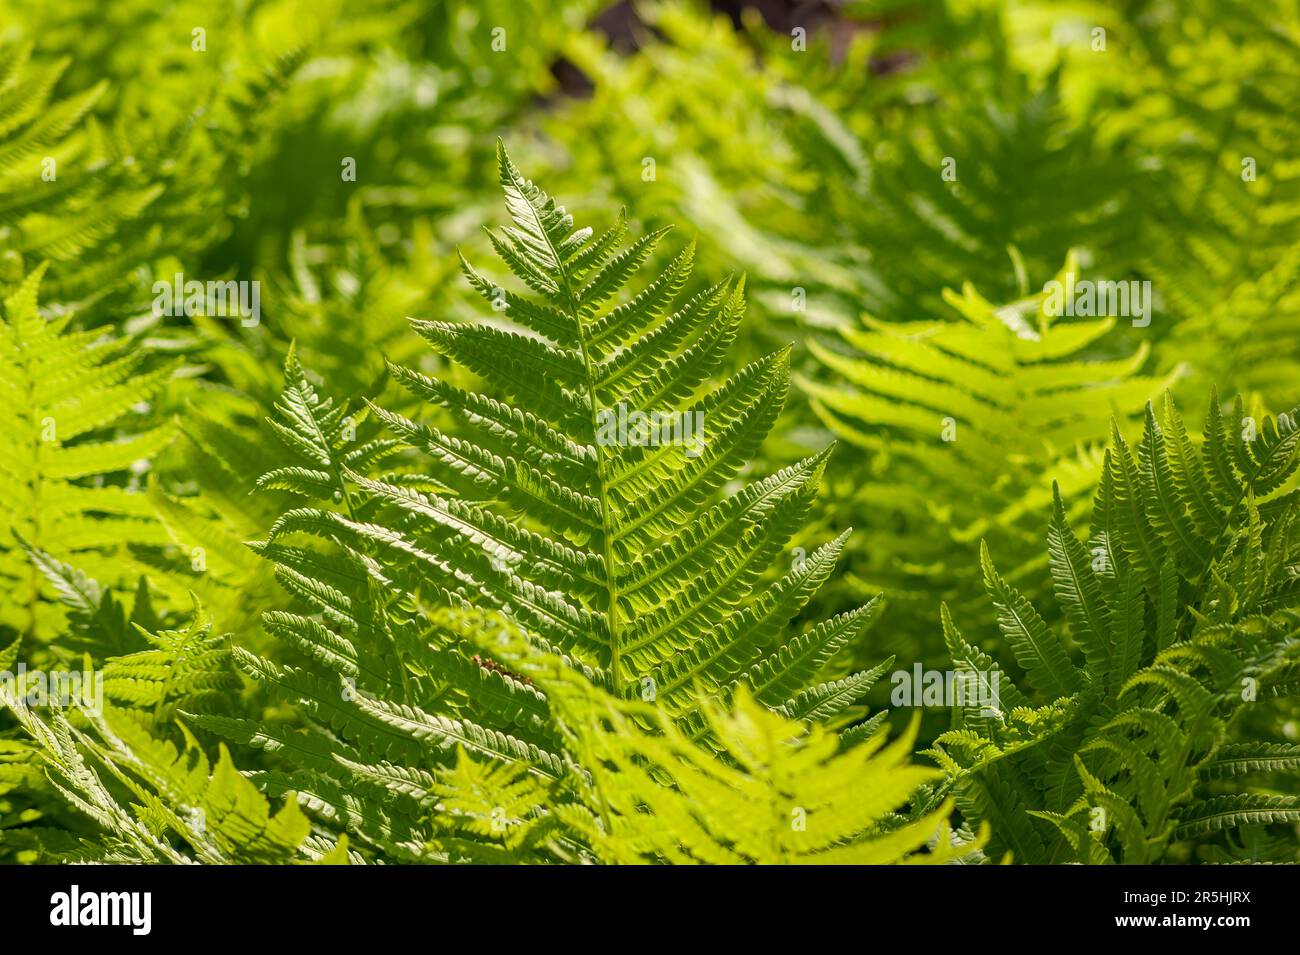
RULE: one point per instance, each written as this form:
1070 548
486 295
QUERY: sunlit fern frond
563 506
1182 613
778 791
964 423
139 799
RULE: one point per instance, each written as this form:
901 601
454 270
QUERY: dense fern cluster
534 545
1182 607
621 559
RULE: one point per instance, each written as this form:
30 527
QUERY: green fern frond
1183 607
633 556
188 668
65 483
958 422
777 791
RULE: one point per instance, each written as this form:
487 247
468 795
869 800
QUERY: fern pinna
1185 610
633 559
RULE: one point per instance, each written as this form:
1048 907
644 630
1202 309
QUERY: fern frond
780 790
957 422
149 802
65 485
611 543
1185 601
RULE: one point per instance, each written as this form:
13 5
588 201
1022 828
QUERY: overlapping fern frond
995 193
84 196
1206 96
141 800
90 774
1183 614
66 401
561 587
779 791
53 201
960 421
633 557
186 667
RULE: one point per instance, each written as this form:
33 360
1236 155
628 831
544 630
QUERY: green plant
559 572
68 396
777 790
1183 606
621 555
54 200
1221 238
148 802
958 421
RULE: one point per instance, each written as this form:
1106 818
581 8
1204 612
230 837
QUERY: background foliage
364 584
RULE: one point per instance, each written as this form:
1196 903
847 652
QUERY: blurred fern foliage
866 434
